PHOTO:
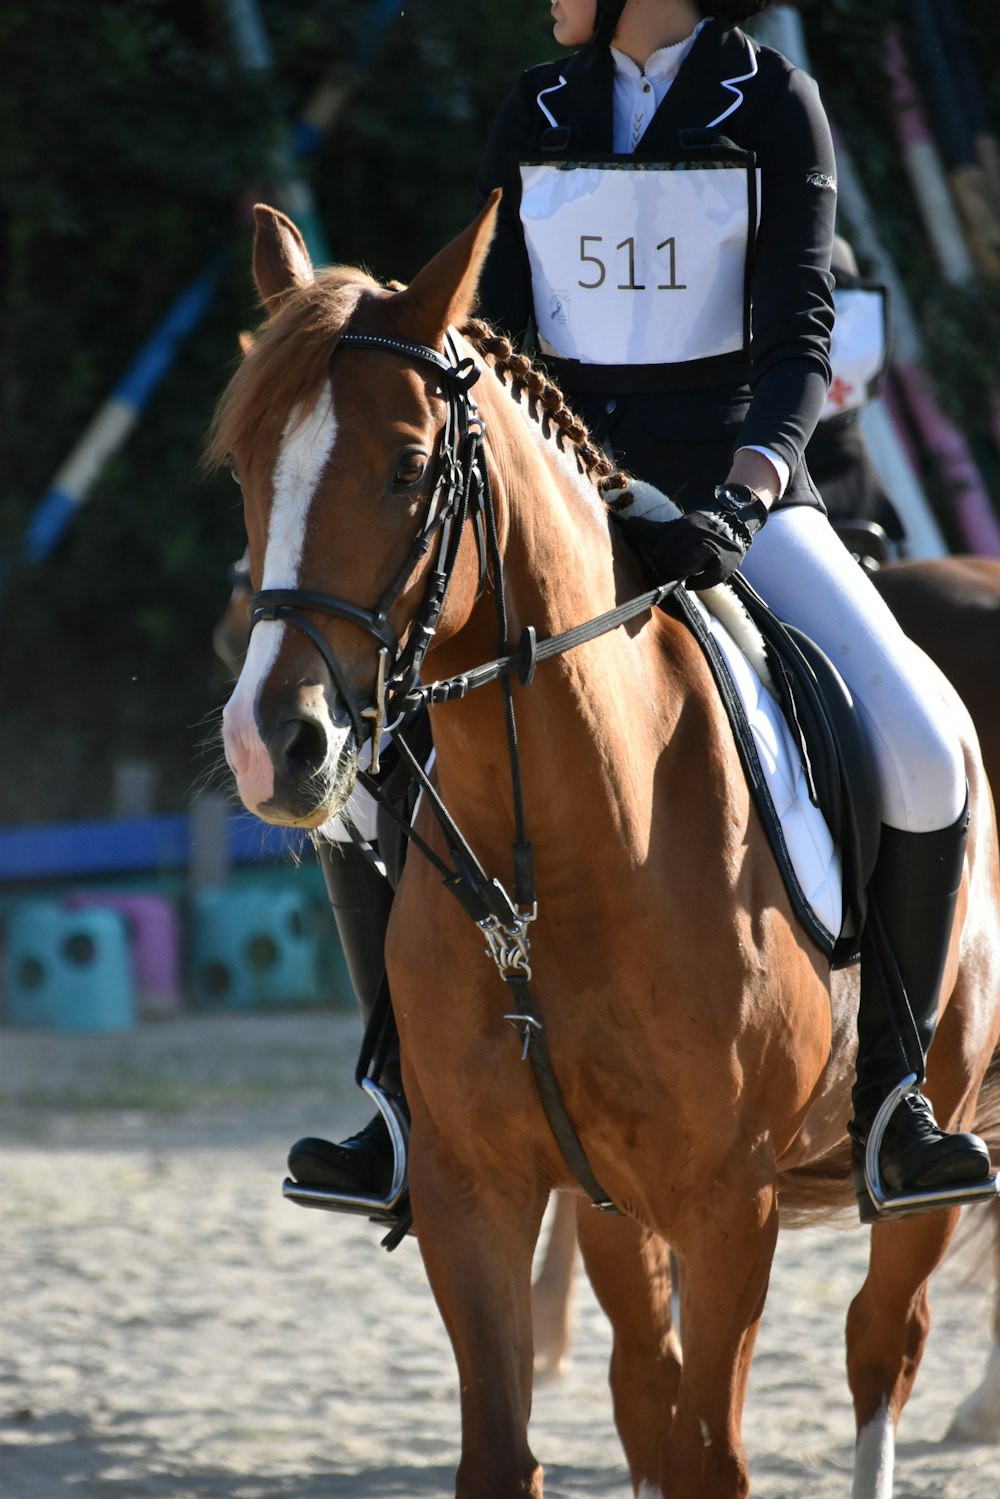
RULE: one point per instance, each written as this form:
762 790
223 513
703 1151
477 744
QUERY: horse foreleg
887 1328
552 1291
724 1259
978 1417
477 1236
629 1270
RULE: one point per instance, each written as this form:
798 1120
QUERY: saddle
836 761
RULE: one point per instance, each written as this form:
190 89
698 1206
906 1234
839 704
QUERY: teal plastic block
253 947
67 970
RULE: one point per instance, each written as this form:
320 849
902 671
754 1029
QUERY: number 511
631 284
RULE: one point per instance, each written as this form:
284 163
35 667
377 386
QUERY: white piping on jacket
543 107
731 85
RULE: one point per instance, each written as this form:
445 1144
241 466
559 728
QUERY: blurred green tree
131 143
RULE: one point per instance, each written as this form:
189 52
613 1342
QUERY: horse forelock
287 368
275 396
288 364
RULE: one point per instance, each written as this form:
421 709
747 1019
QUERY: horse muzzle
295 763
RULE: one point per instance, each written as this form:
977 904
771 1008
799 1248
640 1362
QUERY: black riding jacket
772 400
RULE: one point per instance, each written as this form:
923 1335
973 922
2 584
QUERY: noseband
459 485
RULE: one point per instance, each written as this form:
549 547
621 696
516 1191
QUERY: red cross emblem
840 391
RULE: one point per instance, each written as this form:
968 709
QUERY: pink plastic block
154 944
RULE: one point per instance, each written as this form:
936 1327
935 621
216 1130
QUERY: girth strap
525 1019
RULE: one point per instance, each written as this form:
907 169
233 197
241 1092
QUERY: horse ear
280 257
443 294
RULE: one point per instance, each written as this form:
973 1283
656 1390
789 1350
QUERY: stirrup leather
385 1209
926 1200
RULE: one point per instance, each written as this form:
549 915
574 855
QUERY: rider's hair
608 12
732 10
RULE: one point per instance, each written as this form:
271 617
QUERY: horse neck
551 520
577 721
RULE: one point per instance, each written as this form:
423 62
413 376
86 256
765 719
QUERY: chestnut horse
951 607
704 1056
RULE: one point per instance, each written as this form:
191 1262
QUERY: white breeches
801 568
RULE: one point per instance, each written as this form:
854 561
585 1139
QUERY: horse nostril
299 747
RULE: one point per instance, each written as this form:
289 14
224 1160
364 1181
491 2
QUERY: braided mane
547 403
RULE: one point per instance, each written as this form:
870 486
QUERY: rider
715 409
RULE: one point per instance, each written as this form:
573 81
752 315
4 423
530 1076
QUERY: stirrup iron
927 1199
385 1209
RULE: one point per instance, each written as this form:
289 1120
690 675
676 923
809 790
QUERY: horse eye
409 470
234 475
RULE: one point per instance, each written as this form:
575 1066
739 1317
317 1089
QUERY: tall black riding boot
361 900
915 890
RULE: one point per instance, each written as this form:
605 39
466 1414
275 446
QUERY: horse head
345 426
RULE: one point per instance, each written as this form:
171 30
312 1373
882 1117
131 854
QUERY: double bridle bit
459 480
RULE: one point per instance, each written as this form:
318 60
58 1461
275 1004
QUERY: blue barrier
114 421
75 849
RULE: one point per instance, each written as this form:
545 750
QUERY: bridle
459 485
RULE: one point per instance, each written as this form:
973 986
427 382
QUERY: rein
461 486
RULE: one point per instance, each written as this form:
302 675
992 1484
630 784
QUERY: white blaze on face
305 449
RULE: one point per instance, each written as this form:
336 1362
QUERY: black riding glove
705 546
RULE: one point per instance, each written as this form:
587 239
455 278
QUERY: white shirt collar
639 92
661 65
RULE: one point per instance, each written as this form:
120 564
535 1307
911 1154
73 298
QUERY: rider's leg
915 888
361 900
800 567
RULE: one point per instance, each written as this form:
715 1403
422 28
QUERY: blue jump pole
253 50
112 424
117 416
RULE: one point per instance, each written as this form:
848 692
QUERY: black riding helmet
608 12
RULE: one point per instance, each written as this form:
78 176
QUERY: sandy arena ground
172 1329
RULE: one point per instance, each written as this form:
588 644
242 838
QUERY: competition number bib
858 349
639 262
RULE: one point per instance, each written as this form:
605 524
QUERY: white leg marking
874 1456
646 1491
